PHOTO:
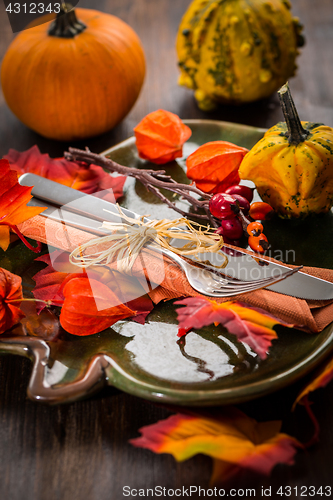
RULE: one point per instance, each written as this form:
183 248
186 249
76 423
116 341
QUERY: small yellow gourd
237 51
292 165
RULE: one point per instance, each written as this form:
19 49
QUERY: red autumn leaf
250 325
13 204
49 284
10 296
89 179
232 439
214 166
160 136
79 313
49 281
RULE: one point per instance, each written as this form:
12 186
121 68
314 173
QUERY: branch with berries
238 216
231 212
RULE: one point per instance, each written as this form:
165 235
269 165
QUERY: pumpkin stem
66 24
296 133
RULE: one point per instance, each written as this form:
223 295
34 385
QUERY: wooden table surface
80 450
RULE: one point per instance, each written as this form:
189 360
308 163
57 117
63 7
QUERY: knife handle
74 200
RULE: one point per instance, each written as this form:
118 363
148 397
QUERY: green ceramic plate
208 367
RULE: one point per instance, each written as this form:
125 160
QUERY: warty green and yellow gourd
292 165
237 51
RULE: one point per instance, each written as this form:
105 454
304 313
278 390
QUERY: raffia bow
125 244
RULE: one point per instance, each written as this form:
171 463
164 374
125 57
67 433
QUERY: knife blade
87 212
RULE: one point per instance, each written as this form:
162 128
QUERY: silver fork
217 284
202 279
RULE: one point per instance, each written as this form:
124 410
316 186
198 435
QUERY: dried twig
154 180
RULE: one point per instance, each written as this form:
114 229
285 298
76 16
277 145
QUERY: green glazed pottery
208 366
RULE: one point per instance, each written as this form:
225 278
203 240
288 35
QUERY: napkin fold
309 315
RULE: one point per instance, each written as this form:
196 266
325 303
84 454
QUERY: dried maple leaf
79 176
10 297
13 205
214 166
250 325
79 314
160 136
232 439
321 378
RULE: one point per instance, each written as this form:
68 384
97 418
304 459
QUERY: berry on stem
254 228
243 191
223 206
261 211
259 243
231 228
244 205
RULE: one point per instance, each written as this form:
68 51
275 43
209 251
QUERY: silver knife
88 212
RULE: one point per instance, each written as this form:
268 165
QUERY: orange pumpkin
74 79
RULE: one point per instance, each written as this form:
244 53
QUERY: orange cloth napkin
310 315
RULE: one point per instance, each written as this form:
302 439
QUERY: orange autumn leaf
80 315
321 379
10 296
13 203
160 136
251 325
232 439
214 166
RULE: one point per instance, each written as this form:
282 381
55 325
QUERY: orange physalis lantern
160 137
10 296
214 166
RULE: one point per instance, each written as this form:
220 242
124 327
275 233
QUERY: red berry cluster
238 217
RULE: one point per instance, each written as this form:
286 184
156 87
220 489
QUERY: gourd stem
296 133
66 24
